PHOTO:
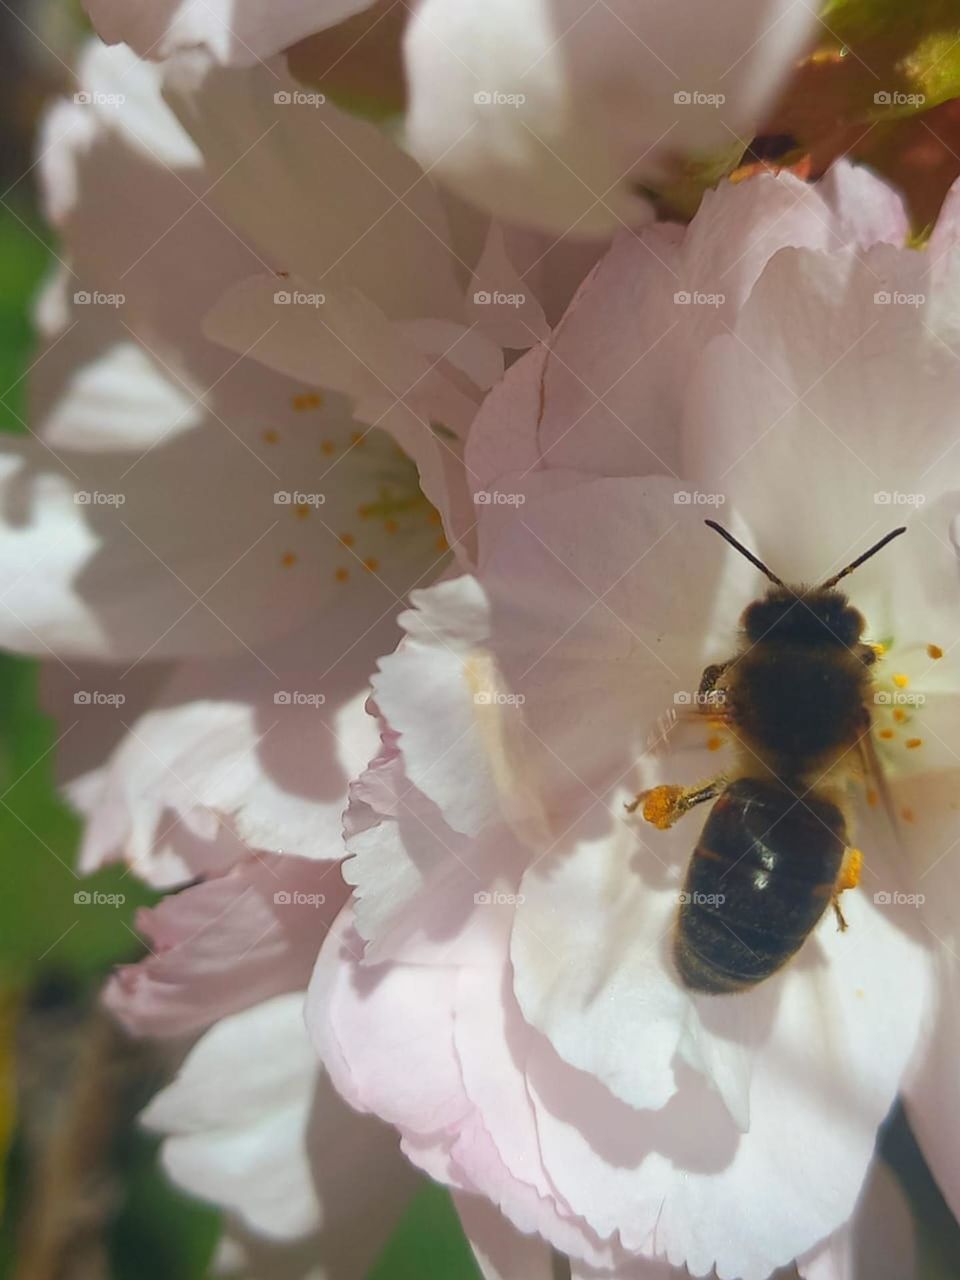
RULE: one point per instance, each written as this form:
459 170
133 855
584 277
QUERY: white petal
237 34
555 115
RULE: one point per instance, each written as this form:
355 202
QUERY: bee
775 851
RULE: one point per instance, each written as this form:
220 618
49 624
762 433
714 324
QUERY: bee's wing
874 777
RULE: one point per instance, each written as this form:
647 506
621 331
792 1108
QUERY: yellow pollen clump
327 447
899 715
879 649
852 867
913 743
934 651
714 744
288 559
270 436
371 565
342 574
308 400
886 734
901 681
659 806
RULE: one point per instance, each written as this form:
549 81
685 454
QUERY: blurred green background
134 1225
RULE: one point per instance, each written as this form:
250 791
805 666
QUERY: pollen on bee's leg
661 806
850 871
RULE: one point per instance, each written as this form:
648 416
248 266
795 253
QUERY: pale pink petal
276 1147
264 749
347 209
222 945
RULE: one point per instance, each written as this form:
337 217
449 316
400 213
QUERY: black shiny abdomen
759 880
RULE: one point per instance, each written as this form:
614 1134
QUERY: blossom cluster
368 463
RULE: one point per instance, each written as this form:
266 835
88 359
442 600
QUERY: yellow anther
901 681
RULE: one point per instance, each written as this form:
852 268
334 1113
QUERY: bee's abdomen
759 880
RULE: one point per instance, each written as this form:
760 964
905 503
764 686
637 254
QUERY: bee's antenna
712 524
855 564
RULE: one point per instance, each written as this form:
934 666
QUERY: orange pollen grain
907 814
347 539
358 438
901 681
270 436
301 511
391 526
309 400
442 544
899 715
886 733
342 575
288 559
714 744
872 798
327 447
934 651
433 517
371 565
913 743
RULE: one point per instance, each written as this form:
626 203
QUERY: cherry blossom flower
211 554
548 114
786 361
238 540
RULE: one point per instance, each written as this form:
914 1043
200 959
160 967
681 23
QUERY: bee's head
804 615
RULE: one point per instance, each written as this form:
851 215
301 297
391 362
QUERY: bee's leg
849 879
664 805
